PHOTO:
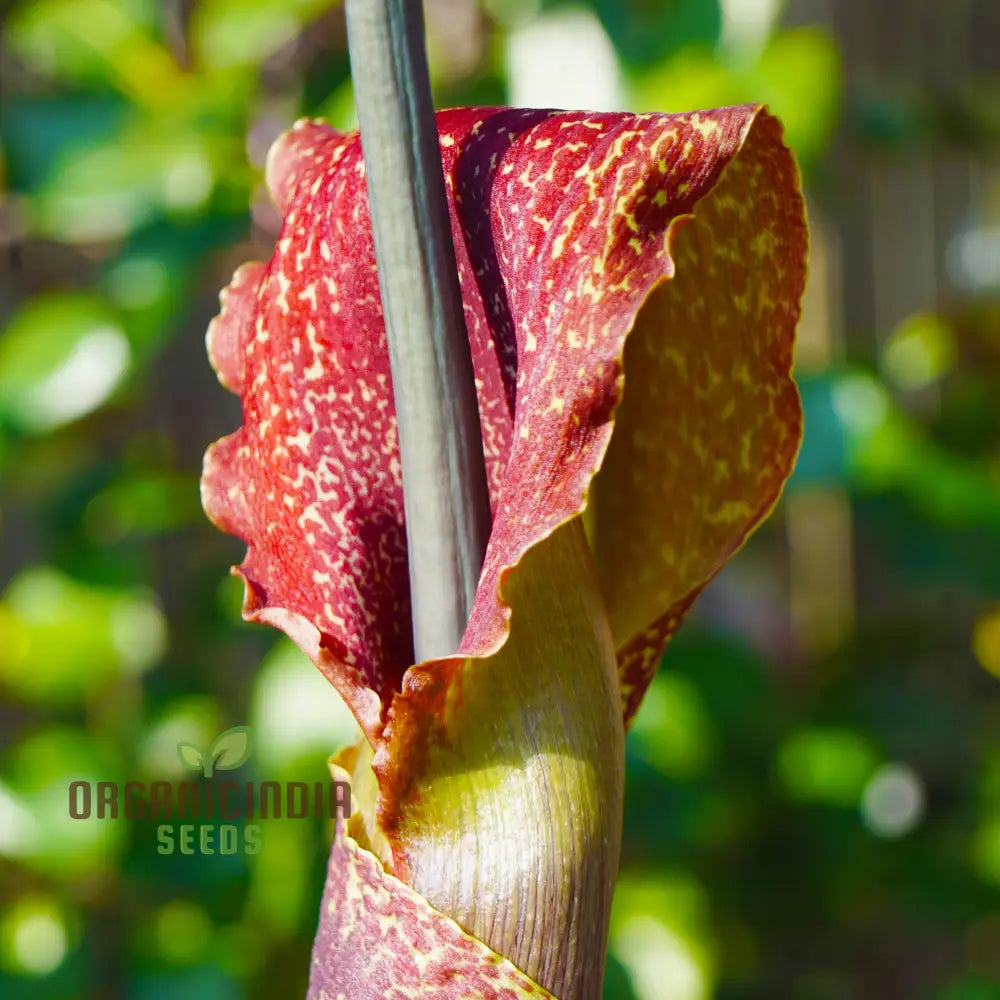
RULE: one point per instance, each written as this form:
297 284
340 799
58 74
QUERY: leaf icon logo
229 751
190 756
232 748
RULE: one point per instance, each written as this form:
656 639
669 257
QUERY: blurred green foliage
801 821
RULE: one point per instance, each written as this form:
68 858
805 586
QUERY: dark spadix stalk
440 442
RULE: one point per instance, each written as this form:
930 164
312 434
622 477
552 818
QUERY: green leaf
797 75
232 748
642 31
38 829
143 503
190 756
61 357
41 132
240 33
97 42
63 640
826 764
150 166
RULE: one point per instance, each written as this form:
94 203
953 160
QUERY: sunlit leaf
643 31
97 41
828 765
61 356
234 33
61 640
110 189
38 771
797 74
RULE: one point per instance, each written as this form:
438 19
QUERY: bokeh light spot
974 259
659 962
137 282
83 381
920 351
17 824
672 730
188 182
563 60
860 403
986 641
985 850
138 632
893 801
194 719
182 931
747 24
827 765
296 711
34 936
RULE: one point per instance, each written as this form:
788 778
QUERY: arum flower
631 287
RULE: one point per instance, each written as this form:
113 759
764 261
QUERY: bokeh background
813 800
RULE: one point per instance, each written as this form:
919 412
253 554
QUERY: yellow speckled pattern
710 421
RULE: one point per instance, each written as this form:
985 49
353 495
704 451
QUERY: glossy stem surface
440 442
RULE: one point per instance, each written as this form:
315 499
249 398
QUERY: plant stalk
527 861
440 442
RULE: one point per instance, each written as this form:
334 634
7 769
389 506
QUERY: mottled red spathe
683 233
560 225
